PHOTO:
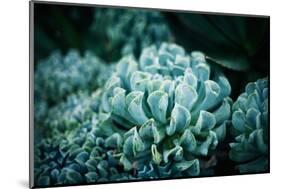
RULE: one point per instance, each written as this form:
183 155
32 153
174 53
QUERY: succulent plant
72 153
250 128
130 30
78 158
170 109
71 114
59 76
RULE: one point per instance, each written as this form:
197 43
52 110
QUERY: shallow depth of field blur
126 94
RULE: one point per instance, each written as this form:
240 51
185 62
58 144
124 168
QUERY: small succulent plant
131 30
250 128
170 109
59 76
78 158
76 155
71 114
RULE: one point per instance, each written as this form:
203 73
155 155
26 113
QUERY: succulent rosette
130 31
80 157
169 108
71 114
250 128
59 76
71 153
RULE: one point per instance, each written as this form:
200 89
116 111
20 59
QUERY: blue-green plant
170 108
71 114
80 157
250 128
129 31
59 76
73 153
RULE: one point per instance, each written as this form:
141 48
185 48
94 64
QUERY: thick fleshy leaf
202 71
253 117
102 168
147 57
92 176
168 87
118 102
210 143
211 92
154 85
82 157
134 102
114 141
180 119
156 156
220 131
192 167
239 122
188 141
223 112
149 131
190 78
206 121
125 68
222 81
182 61
185 95
73 177
133 143
175 153
126 163
139 81
158 103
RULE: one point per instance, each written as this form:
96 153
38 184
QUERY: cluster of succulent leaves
251 127
171 108
59 76
70 152
129 30
159 112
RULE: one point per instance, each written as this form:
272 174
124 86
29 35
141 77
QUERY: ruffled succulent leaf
180 119
158 103
250 128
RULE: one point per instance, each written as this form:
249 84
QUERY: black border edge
31 95
31 89
269 126
147 8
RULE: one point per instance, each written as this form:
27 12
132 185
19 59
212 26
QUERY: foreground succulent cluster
250 127
170 109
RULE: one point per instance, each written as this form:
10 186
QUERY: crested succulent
250 128
131 30
59 76
170 108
